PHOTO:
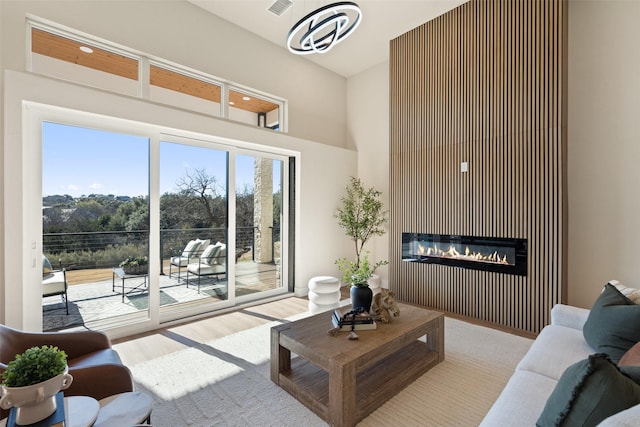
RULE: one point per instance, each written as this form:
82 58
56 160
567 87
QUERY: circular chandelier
324 28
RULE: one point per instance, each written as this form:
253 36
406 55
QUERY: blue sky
79 161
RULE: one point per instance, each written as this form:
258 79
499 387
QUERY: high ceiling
382 21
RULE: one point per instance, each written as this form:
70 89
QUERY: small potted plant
135 265
361 215
31 382
358 276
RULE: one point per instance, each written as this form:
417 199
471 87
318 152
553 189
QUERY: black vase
361 296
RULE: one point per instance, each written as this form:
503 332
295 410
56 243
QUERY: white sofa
558 346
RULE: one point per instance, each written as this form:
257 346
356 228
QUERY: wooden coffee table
343 380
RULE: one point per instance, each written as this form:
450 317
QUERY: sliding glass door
193 224
95 226
149 227
259 196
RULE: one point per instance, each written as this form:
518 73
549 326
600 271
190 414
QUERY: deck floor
92 297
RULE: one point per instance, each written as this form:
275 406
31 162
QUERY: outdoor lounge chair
190 253
54 282
212 262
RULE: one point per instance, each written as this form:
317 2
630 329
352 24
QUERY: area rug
226 382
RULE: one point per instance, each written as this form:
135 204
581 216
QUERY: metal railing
105 249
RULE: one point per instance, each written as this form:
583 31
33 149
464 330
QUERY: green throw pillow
588 392
613 325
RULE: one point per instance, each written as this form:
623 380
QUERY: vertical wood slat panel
484 83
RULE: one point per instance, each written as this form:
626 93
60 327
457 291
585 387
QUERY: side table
124 276
124 409
81 411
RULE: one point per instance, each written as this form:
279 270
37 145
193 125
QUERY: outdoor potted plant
361 215
135 265
32 380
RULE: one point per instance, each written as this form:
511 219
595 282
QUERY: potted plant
361 215
135 265
31 382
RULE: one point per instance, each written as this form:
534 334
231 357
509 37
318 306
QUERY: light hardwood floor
143 347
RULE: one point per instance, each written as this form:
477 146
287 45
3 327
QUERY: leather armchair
96 367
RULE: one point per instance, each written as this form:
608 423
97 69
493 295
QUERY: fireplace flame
452 252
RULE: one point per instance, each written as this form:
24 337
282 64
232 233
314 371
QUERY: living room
340 122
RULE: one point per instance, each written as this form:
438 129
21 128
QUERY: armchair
55 283
191 251
96 368
212 262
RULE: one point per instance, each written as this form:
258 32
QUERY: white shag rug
226 382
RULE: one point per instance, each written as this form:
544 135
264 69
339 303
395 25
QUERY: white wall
184 34
603 146
178 31
317 235
368 133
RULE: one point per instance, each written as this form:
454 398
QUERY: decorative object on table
135 265
324 293
31 382
361 215
384 307
348 319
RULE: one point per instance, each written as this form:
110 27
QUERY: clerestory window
69 55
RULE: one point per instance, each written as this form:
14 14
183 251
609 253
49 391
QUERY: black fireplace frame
519 246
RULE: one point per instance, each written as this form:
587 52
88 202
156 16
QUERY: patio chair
192 251
212 262
54 282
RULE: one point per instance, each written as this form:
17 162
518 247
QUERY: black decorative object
361 297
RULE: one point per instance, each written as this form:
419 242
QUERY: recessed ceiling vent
280 6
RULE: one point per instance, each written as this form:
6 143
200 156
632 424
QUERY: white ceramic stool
324 293
374 283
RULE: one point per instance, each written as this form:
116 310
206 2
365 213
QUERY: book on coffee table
348 315
346 326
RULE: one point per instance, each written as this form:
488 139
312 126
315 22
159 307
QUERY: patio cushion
46 266
210 253
53 283
191 247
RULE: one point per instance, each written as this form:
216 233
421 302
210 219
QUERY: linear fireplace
500 255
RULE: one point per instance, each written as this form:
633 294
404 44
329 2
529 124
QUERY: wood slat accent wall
484 84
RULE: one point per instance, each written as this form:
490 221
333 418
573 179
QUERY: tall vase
361 296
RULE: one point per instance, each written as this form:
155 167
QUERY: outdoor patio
102 298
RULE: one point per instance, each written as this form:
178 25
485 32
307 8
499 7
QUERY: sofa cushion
588 392
523 398
613 325
554 350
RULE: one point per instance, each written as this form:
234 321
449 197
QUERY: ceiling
382 21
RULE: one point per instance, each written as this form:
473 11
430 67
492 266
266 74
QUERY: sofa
546 385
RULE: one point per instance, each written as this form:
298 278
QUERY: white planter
35 402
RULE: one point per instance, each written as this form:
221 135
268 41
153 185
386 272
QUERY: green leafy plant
358 275
135 260
35 365
361 216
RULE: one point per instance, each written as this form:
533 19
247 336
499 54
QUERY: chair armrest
100 381
569 316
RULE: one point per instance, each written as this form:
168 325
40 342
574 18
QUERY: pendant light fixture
324 28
